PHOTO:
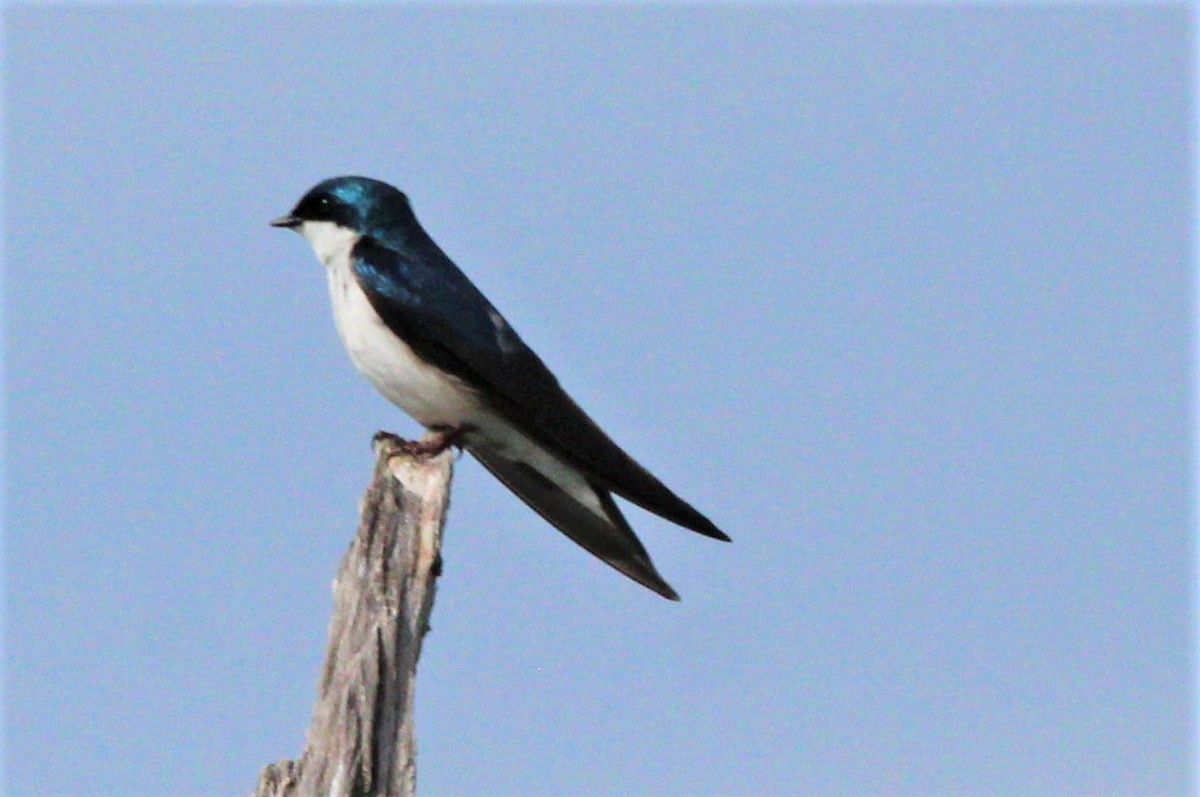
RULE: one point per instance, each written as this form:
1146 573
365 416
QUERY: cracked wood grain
361 738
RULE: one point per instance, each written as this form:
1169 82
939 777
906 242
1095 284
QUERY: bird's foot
438 440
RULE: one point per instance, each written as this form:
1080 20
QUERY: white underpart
427 393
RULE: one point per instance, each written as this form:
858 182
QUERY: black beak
291 222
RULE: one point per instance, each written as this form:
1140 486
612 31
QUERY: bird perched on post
432 344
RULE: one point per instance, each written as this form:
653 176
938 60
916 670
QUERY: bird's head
356 205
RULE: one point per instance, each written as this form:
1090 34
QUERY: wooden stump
360 741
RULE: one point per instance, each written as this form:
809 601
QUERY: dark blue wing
431 305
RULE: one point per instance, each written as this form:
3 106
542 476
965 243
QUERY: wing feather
428 302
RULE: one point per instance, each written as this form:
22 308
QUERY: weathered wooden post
360 741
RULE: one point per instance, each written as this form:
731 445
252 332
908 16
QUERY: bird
427 339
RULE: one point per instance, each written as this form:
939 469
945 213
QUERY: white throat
330 241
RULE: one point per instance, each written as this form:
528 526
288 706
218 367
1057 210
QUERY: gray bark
360 741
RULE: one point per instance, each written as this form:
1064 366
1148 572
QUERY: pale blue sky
899 296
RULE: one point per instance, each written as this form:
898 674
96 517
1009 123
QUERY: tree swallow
432 344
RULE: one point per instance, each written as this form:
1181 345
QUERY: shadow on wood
360 742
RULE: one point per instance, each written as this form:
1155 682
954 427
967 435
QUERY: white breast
431 396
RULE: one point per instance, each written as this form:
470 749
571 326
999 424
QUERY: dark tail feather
666 504
623 475
612 540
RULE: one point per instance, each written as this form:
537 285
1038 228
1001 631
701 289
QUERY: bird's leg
438 440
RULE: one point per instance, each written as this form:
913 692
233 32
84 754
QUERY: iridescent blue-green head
358 204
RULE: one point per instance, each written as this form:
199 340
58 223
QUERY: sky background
901 297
